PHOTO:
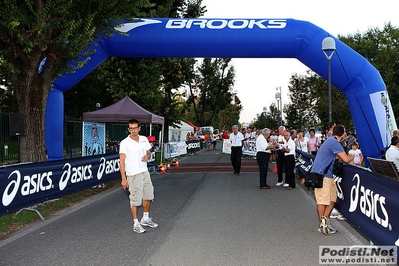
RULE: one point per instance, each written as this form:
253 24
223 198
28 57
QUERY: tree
210 89
309 103
59 32
152 83
381 48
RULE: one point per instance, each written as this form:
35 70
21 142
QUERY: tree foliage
59 32
210 89
152 83
381 48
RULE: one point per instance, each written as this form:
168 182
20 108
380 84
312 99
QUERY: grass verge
12 222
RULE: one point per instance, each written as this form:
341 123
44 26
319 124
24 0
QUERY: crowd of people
275 146
280 146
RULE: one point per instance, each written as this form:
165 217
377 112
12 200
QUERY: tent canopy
122 111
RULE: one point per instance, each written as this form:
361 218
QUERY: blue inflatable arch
241 38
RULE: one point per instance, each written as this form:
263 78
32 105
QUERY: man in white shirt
280 157
392 153
236 140
134 152
289 160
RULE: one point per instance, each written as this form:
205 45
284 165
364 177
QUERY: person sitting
392 153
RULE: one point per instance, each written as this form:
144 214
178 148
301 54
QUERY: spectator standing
330 131
134 153
263 148
356 153
280 157
289 160
225 134
314 142
323 164
392 153
213 138
302 142
237 141
207 140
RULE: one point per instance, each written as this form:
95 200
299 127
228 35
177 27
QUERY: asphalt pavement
205 217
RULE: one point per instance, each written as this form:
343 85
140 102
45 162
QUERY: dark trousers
263 162
235 158
289 164
280 165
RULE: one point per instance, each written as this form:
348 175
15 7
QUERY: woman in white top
302 142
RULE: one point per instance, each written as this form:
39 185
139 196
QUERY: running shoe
137 228
324 224
148 223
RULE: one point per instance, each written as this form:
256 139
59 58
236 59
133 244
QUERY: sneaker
341 217
324 224
331 230
279 184
148 223
286 185
334 214
137 228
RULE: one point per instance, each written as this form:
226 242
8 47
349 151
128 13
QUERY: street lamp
328 47
279 105
264 113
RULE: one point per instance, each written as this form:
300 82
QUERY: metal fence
72 138
9 150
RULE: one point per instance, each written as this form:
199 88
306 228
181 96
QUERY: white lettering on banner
302 164
109 167
193 145
30 185
8 196
34 183
224 23
368 203
76 174
340 192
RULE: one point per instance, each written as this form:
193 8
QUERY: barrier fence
369 201
24 185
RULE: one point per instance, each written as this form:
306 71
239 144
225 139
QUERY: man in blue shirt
327 195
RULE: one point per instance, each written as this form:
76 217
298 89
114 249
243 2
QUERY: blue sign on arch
241 38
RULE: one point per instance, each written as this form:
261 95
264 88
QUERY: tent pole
161 142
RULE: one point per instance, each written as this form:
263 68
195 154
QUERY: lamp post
328 47
279 105
264 113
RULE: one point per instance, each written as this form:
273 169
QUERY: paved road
205 218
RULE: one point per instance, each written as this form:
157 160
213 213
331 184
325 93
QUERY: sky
339 17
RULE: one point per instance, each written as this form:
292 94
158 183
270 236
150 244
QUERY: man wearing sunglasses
134 153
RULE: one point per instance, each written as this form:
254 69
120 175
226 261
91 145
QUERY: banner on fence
369 201
25 185
174 149
193 146
93 138
249 147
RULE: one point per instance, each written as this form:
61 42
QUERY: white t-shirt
134 151
303 145
356 155
392 155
